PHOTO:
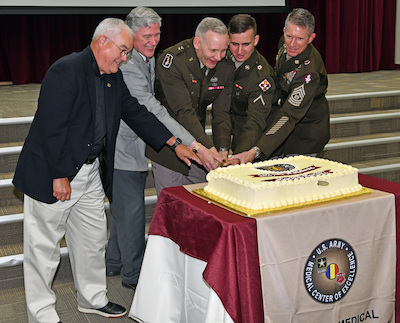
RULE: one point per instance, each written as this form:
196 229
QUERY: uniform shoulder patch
264 85
167 61
308 78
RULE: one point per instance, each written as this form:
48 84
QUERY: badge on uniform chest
238 89
289 76
216 87
214 84
193 79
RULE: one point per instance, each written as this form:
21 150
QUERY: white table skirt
171 288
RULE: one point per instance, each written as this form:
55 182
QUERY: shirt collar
144 57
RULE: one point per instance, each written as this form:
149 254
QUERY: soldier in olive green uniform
299 123
253 86
186 91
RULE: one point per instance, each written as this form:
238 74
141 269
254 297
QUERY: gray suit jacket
130 149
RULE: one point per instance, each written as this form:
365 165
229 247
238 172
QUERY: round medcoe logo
330 271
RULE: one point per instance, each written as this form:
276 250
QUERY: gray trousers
164 177
127 233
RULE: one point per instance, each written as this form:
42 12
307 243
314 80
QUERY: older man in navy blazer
82 99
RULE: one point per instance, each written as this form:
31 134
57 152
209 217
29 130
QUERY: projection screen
120 6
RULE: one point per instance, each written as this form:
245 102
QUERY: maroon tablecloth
228 243
225 240
394 188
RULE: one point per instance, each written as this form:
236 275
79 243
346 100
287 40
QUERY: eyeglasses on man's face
123 52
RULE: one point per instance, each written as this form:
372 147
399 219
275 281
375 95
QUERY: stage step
365 148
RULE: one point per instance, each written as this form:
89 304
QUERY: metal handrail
361 143
364 95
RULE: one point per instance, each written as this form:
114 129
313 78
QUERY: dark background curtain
352 36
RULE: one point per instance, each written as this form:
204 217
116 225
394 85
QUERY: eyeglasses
123 51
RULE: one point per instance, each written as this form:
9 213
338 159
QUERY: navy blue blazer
62 132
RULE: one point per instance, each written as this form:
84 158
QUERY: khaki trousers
83 222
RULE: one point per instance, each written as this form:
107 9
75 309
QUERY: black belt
90 160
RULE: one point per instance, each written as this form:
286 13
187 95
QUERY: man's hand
245 157
231 161
62 189
209 157
186 154
224 154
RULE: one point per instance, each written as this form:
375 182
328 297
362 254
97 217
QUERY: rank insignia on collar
264 85
259 67
167 61
247 67
214 79
308 78
181 47
296 61
306 62
190 59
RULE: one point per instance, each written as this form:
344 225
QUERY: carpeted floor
13 308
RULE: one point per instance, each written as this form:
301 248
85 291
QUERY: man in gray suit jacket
127 234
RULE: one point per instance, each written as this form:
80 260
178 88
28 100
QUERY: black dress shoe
131 286
110 310
113 273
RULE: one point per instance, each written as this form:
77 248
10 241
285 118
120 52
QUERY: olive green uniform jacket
299 122
252 95
186 92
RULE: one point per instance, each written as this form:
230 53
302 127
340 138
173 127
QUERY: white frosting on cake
282 182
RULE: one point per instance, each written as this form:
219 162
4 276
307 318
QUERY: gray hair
142 17
110 27
302 18
213 24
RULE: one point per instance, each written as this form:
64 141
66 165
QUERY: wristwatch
258 152
176 144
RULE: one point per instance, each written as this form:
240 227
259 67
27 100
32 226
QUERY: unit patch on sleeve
264 85
167 61
308 78
297 96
